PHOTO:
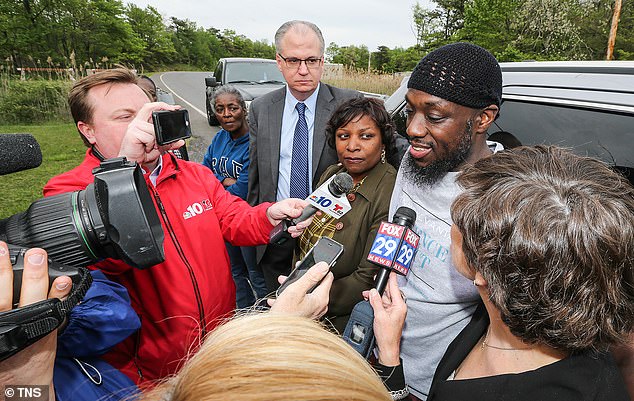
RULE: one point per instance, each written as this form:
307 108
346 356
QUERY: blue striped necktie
299 160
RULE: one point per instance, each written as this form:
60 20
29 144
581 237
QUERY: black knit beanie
462 73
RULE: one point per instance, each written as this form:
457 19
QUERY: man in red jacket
181 299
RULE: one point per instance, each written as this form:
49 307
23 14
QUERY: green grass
62 149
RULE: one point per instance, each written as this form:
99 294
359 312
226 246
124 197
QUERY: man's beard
434 172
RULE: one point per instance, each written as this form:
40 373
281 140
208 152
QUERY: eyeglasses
293 62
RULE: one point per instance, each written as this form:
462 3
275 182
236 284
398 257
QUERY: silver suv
253 77
586 106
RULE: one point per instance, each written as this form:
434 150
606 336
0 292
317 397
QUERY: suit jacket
265 121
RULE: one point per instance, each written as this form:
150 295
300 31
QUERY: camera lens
62 224
114 217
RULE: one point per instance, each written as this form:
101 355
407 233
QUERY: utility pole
615 24
369 58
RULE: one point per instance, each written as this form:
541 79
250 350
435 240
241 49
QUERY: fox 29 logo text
394 247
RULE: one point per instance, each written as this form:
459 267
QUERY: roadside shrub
33 101
351 78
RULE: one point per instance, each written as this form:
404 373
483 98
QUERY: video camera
114 217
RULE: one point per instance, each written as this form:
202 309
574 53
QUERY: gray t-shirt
440 301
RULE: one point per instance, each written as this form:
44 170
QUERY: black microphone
18 152
393 249
326 196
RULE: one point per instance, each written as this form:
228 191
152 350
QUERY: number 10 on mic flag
394 247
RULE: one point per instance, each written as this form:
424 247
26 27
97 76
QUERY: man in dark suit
287 132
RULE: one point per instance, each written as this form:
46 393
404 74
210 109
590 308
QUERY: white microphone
329 198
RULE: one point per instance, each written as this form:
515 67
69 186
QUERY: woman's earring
383 156
475 283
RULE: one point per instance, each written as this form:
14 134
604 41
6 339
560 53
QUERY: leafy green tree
555 35
451 15
147 24
263 49
381 58
350 56
595 24
491 24
107 33
427 25
404 59
191 43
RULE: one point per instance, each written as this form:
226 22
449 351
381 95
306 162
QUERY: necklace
486 337
356 186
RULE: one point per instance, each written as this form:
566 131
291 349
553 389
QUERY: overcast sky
345 22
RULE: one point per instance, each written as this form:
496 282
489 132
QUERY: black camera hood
129 217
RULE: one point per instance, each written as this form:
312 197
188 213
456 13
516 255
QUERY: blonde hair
264 357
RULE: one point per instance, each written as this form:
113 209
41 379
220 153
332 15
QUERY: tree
427 25
147 24
191 43
555 35
594 27
451 16
492 25
381 58
350 56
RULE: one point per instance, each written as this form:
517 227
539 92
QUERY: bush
36 101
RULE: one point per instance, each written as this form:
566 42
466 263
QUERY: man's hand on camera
139 143
33 365
289 209
295 300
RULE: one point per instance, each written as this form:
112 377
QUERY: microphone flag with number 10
394 247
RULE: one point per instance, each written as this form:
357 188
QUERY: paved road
188 89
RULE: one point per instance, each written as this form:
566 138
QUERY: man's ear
87 131
280 62
487 116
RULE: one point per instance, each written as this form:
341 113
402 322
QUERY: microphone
394 246
393 249
18 152
329 198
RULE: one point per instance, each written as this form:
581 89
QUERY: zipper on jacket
181 253
137 345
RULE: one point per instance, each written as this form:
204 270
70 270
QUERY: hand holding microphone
285 209
390 311
394 246
393 249
329 198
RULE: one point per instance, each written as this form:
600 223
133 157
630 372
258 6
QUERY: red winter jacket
193 289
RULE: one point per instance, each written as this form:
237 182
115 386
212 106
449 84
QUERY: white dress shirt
289 121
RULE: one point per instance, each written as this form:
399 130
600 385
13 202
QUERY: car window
606 135
256 72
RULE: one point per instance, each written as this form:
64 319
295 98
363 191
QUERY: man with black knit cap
453 97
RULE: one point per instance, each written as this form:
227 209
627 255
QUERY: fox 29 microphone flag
394 247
